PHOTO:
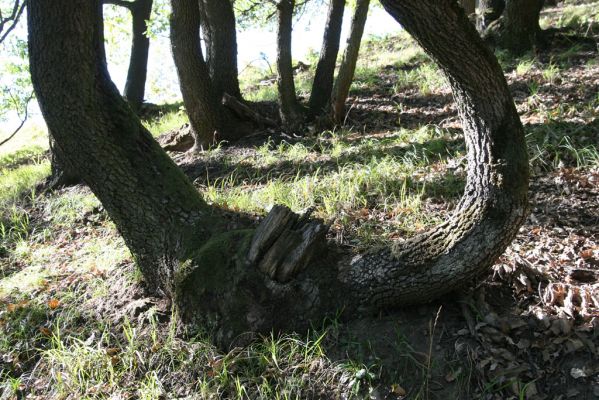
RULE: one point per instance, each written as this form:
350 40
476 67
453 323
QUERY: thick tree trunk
152 203
345 76
489 11
202 104
518 29
278 276
138 61
221 46
494 203
322 86
289 108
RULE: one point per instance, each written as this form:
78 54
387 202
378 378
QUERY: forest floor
75 321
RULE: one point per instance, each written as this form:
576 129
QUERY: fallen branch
245 112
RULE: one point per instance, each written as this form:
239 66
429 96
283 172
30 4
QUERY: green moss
212 266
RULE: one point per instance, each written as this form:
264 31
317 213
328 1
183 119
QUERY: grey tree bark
290 110
322 86
283 274
153 204
199 96
61 172
347 69
518 29
218 25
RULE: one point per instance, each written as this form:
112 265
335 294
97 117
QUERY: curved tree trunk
218 26
201 102
138 61
289 108
152 203
279 276
347 69
322 86
494 203
518 29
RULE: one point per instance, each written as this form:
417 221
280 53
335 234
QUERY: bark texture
518 29
289 108
138 61
199 96
494 203
150 200
347 69
322 86
61 172
218 25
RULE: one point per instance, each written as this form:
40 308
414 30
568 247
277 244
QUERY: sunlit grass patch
149 360
69 206
166 122
23 179
26 280
579 17
427 78
344 175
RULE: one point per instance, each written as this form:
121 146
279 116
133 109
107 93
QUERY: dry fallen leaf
45 331
53 304
398 390
111 351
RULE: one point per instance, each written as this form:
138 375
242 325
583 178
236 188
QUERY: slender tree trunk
152 203
278 276
347 69
140 48
199 97
221 46
489 11
322 86
289 108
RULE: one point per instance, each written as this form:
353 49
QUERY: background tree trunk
345 76
289 108
518 29
61 172
140 47
489 11
221 46
202 104
152 203
322 86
